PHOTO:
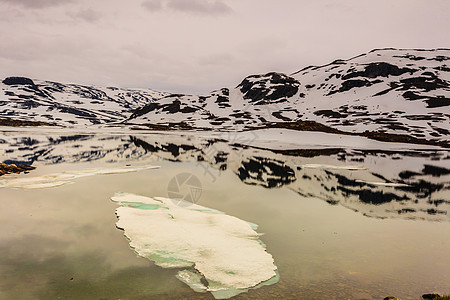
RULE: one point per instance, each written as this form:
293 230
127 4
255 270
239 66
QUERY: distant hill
69 104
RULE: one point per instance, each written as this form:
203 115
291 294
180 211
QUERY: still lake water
334 232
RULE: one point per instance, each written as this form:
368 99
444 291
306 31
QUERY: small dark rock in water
204 281
431 296
391 298
12 168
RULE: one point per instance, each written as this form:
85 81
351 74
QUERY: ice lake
342 217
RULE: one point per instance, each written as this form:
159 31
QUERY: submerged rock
219 253
431 296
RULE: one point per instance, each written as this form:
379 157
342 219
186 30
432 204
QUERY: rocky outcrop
18 81
12 168
269 88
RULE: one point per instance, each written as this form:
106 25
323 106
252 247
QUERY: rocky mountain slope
382 93
388 90
69 104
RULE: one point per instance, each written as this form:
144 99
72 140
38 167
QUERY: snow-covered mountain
380 94
389 91
69 104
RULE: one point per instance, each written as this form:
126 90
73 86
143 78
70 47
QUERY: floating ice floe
331 167
219 253
59 179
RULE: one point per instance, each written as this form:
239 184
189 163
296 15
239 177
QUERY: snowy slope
387 90
69 104
391 90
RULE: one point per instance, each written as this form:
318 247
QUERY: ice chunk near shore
59 179
220 254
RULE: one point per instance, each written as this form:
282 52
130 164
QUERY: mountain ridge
384 93
67 105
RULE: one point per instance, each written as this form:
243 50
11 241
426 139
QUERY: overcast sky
196 46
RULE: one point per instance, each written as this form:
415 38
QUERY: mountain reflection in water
411 184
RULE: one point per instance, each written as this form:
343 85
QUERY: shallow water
328 240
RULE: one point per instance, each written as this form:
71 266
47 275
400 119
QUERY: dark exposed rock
174 107
350 84
422 188
225 91
371 197
433 212
411 57
330 114
266 172
400 138
268 88
221 157
244 114
427 170
278 115
309 152
12 168
435 171
438 202
175 150
15 123
407 174
77 112
381 69
160 127
425 83
222 99
441 130
410 95
428 117
144 110
439 101
18 81
305 126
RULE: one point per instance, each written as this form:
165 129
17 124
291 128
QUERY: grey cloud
153 5
200 6
88 15
211 7
37 3
216 60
